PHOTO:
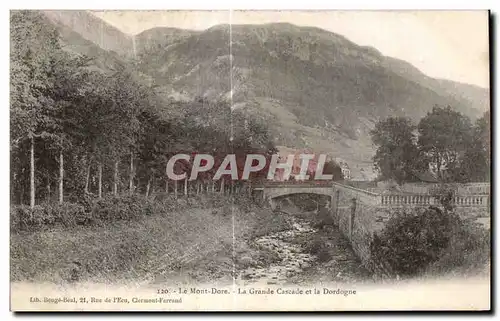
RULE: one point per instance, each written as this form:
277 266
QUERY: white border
262 4
190 4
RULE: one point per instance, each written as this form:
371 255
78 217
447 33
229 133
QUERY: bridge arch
281 194
272 193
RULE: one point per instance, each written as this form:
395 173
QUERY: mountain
93 29
315 89
477 97
159 38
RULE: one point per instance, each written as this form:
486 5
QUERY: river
334 261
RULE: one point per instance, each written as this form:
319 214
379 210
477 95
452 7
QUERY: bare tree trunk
222 186
131 174
61 177
166 181
48 189
185 186
197 188
175 189
87 179
99 193
32 174
148 186
213 186
115 183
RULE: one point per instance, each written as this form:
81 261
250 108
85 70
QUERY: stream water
293 258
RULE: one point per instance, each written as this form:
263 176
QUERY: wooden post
148 186
166 181
87 179
131 174
48 189
115 183
61 177
99 193
32 173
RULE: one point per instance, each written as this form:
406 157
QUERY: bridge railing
471 200
460 189
358 190
423 200
294 183
397 199
363 195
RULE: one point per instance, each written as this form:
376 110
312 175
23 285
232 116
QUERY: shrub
25 218
92 211
430 241
68 214
121 207
413 240
468 251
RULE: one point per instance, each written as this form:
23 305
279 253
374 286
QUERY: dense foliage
429 240
76 130
444 143
397 156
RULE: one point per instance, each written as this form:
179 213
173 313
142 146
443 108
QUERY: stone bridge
332 189
359 213
339 193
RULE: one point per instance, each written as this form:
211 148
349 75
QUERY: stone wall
357 221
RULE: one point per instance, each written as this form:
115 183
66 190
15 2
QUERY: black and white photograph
249 160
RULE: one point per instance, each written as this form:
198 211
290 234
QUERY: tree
38 67
476 163
66 118
397 155
444 136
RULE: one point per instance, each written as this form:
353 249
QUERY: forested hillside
79 129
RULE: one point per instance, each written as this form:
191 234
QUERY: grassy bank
193 238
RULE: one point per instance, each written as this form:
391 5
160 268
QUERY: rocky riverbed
304 254
292 257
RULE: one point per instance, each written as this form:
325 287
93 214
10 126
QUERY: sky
442 44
